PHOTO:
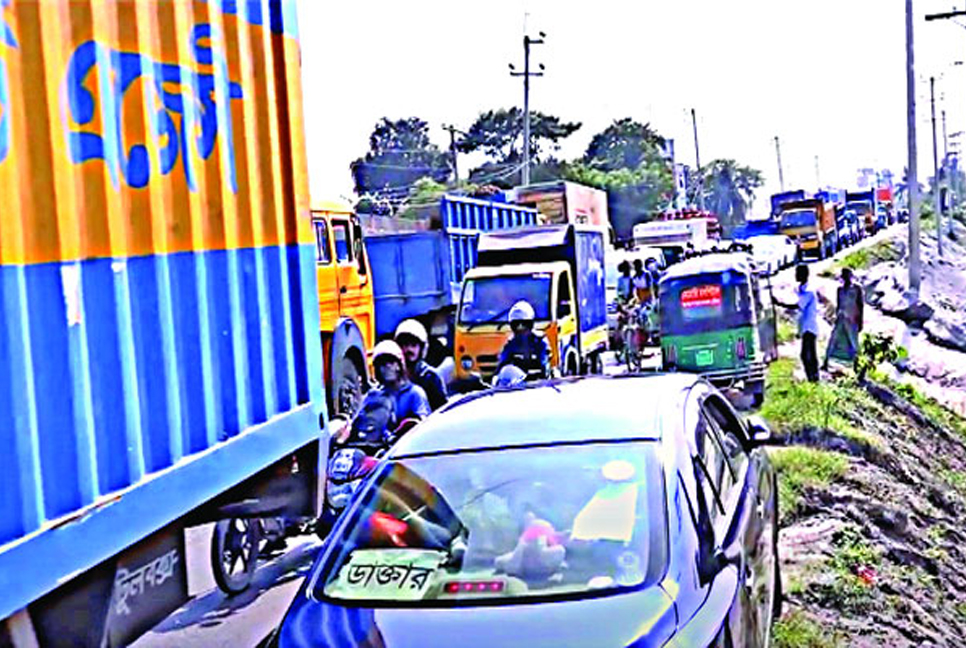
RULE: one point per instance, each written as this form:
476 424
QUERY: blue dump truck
779 199
159 320
864 205
752 228
417 274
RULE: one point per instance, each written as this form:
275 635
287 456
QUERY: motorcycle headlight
466 362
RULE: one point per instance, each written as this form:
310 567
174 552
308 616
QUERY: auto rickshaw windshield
706 302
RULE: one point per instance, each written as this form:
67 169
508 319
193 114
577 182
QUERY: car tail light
473 587
740 349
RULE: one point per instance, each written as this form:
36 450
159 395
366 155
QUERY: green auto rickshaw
718 319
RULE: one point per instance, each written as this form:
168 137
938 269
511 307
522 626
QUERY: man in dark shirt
412 338
526 349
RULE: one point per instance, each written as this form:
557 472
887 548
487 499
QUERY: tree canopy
400 153
625 144
498 134
728 189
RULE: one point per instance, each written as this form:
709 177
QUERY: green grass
961 610
847 591
786 331
793 405
864 258
929 406
955 478
800 468
796 630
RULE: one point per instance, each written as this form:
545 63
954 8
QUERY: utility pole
778 152
526 74
452 130
912 178
818 176
697 161
936 189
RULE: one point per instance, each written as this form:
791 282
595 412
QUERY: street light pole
697 161
936 190
452 150
778 152
526 74
912 178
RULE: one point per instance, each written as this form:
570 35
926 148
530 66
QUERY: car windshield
489 300
568 520
705 302
798 218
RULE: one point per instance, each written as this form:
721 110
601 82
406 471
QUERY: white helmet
522 311
510 376
412 328
388 348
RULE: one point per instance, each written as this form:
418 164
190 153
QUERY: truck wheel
234 553
346 389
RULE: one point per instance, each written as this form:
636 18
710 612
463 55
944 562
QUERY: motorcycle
238 543
636 331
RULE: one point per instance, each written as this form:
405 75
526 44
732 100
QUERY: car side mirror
759 431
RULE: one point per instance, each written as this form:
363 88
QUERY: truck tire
346 388
234 553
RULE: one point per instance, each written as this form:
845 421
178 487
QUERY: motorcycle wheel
234 553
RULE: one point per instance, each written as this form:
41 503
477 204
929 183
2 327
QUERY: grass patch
955 478
793 405
786 331
929 406
961 610
796 630
800 468
847 591
864 258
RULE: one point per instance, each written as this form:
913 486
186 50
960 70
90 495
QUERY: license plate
704 357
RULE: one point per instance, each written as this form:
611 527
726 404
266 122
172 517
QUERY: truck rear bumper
38 563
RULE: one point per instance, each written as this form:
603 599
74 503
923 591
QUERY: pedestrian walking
849 310
807 308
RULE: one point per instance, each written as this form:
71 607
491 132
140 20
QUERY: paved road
213 620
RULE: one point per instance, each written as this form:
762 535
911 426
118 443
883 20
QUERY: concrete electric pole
912 175
936 188
697 161
526 74
452 130
781 174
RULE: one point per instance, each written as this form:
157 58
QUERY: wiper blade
496 319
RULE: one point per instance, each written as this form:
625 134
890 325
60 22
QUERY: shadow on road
215 607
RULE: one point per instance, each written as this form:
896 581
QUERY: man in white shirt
807 308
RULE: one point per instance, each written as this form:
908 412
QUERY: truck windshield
798 218
488 300
860 208
705 302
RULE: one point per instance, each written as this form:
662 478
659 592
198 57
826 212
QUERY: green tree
626 160
728 189
400 153
498 134
625 144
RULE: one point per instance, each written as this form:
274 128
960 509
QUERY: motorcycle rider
407 401
527 349
412 339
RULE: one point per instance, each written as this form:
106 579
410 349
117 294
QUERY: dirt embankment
873 477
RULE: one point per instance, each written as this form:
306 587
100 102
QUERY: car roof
711 263
573 410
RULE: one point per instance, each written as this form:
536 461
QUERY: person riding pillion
409 400
412 339
527 349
